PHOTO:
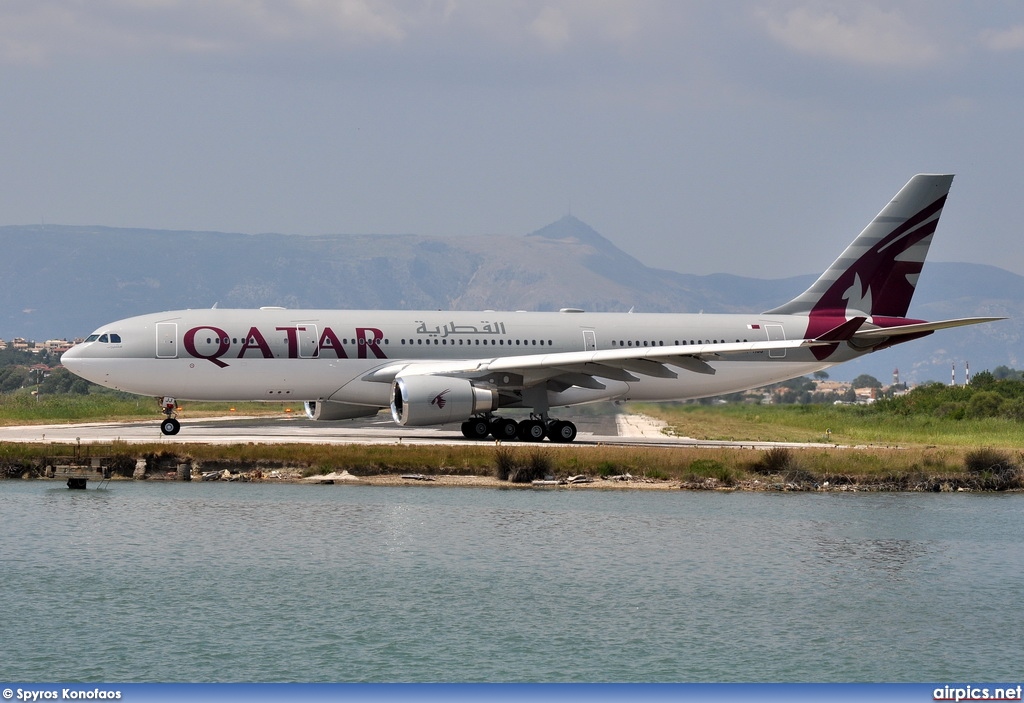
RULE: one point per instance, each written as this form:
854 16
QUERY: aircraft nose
71 359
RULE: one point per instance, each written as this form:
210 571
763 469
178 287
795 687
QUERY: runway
605 430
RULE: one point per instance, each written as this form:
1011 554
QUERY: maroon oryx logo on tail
439 400
876 275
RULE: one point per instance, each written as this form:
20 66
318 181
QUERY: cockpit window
115 338
92 338
103 338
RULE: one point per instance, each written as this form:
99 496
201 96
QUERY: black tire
170 426
562 431
504 428
531 431
475 429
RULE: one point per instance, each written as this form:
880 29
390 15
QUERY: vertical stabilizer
877 274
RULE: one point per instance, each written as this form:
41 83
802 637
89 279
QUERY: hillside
62 281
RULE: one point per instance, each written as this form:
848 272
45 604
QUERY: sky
754 137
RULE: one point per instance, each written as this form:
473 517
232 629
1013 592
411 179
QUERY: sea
215 582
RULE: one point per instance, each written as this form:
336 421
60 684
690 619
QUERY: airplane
439 367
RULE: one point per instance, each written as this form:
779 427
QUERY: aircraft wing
580 368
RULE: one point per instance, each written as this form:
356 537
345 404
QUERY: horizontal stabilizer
842 332
920 328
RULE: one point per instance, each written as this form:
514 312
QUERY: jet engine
435 400
330 410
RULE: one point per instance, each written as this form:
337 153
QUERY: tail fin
876 275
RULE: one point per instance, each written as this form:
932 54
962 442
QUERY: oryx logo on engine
439 400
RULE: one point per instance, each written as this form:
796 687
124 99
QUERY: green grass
842 424
25 409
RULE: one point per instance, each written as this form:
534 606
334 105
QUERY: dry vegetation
919 468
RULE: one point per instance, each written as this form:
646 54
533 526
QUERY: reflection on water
894 557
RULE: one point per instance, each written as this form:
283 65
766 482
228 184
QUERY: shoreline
851 484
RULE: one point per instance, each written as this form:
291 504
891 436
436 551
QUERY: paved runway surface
621 430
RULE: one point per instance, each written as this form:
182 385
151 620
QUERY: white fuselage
273 354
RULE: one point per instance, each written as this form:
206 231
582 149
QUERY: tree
984 404
866 381
1004 373
12 378
985 379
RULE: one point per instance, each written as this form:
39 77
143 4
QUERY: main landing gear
170 425
532 430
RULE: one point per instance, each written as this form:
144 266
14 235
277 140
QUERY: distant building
57 346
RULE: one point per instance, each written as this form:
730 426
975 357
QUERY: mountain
63 281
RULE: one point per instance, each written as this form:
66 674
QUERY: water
255 582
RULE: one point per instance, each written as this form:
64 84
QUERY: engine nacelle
436 400
330 410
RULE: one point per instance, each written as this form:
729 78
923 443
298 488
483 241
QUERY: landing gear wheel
503 428
562 431
170 426
531 430
475 429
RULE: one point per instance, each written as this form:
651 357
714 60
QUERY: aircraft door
776 334
589 340
166 340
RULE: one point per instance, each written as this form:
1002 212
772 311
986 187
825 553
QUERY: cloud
551 27
855 33
39 31
1011 39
